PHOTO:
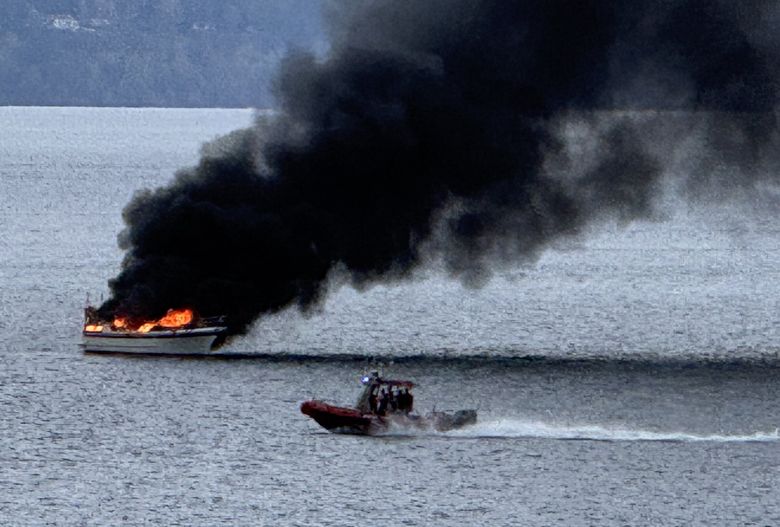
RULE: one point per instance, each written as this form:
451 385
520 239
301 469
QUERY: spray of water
517 428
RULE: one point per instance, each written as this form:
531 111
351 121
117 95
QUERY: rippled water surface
626 378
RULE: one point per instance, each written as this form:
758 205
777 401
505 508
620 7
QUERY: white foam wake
539 429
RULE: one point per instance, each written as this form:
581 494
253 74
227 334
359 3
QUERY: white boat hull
196 341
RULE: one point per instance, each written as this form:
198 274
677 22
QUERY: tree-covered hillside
149 52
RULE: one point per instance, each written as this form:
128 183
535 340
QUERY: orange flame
147 327
174 318
95 328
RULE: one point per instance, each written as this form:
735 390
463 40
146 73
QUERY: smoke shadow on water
379 361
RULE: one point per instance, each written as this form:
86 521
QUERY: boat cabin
382 396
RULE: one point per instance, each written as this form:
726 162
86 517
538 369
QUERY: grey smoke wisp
434 130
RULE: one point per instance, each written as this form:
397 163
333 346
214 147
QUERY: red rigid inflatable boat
382 405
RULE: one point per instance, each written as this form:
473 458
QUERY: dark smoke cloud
434 130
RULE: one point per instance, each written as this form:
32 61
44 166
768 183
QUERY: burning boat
383 405
179 332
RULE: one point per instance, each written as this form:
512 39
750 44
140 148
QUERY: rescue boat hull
338 419
343 420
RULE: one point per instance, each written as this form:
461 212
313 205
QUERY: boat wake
514 428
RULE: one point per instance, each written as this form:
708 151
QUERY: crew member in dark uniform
405 401
372 400
384 397
394 393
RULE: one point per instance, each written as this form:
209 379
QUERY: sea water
627 377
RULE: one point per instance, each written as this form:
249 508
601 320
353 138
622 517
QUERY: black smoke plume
428 131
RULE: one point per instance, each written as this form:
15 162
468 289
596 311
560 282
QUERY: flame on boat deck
173 319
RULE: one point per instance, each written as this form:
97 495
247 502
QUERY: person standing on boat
401 400
384 397
372 400
405 401
394 398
